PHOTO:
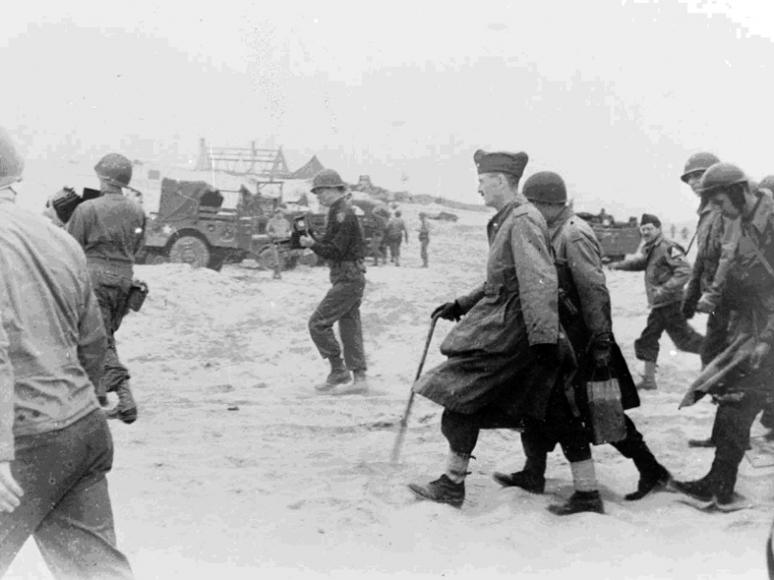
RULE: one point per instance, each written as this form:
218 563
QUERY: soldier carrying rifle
748 290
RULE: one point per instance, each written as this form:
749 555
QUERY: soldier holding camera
343 247
110 229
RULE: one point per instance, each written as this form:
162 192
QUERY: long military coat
490 359
586 317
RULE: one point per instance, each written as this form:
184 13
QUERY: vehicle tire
188 249
217 260
155 258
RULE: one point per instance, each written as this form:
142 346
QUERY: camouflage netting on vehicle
180 200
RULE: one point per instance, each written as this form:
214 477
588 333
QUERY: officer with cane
507 355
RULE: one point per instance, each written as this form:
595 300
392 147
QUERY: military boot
532 477
648 382
359 385
701 442
442 490
655 479
126 409
580 501
338 375
702 489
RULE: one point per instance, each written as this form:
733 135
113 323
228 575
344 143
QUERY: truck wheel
155 258
189 249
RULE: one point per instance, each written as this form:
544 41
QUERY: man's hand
305 242
448 311
760 352
546 354
600 353
705 305
10 491
688 308
613 265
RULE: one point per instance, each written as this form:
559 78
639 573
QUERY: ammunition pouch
138 291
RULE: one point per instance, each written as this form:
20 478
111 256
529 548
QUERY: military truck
193 227
615 238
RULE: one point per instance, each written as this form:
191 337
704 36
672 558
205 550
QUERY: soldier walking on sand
666 272
507 358
343 247
55 445
277 228
584 311
395 234
111 229
424 238
748 292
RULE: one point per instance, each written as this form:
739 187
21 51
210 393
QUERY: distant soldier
278 229
748 291
666 272
508 356
395 235
424 238
111 229
584 311
343 247
381 217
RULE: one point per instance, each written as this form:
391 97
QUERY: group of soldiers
539 328
527 342
65 288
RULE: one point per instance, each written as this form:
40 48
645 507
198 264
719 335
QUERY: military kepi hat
500 162
649 218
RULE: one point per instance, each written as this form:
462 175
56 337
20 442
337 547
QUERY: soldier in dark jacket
508 356
748 290
709 239
111 229
666 272
584 311
344 248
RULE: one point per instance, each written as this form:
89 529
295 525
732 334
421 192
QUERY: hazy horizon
614 99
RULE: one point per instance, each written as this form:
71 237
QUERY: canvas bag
606 415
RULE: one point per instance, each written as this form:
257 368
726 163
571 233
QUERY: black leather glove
688 308
546 353
600 352
448 311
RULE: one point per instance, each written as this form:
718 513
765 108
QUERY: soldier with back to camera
111 229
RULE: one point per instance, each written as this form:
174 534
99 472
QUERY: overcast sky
614 95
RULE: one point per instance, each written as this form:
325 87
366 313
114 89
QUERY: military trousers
112 291
716 338
667 318
423 251
66 505
731 435
341 305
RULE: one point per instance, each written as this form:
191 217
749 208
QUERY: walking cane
404 420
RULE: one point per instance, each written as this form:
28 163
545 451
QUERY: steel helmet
720 176
327 178
11 162
767 183
698 162
115 169
545 187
